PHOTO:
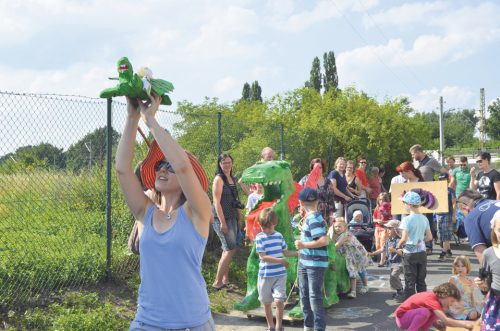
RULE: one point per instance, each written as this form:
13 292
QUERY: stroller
365 231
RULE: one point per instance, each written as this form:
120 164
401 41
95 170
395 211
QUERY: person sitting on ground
356 256
272 248
395 256
423 310
468 308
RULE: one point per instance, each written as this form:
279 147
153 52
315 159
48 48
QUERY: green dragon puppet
138 85
279 190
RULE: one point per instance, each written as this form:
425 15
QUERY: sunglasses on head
166 165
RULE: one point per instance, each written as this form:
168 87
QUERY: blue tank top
173 293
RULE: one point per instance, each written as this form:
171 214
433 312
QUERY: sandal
231 286
221 288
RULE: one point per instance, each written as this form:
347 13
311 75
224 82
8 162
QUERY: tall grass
53 233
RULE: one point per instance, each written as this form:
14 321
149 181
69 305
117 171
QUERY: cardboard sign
439 189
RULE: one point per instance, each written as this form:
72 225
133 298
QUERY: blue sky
418 49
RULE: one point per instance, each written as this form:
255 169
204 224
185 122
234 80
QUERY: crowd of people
173 224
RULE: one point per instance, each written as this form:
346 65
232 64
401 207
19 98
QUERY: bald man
267 154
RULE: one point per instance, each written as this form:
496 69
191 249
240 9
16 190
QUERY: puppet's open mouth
123 67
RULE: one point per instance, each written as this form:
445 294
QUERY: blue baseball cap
308 194
412 198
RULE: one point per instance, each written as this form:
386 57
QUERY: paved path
368 312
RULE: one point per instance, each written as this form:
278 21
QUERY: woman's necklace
169 214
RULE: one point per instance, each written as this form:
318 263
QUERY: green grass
53 252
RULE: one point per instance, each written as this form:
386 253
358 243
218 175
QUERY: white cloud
223 36
226 84
406 14
79 79
453 96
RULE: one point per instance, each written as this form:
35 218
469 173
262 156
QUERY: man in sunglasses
478 213
487 180
460 177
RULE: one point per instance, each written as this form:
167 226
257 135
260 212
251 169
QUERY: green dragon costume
138 85
278 184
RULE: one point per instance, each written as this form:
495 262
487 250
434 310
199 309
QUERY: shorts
228 241
271 288
140 326
444 227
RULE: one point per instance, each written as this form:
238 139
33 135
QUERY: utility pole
481 118
441 131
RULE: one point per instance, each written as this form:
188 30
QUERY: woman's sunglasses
166 165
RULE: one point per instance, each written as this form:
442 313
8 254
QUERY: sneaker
442 256
351 295
270 329
449 253
363 290
400 298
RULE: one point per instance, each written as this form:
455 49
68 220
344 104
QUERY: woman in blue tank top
173 236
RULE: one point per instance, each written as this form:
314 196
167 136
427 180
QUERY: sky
388 49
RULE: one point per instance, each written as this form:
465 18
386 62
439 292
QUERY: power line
366 43
414 75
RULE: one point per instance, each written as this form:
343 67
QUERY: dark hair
408 166
446 290
463 158
450 158
219 171
318 160
469 194
484 156
362 157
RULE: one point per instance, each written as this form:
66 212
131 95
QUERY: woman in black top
227 216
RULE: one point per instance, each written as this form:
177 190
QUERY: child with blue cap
415 231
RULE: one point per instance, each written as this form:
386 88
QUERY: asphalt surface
371 311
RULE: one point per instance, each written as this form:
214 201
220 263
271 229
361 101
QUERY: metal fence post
109 147
218 134
282 145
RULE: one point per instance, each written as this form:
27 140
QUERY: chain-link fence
63 221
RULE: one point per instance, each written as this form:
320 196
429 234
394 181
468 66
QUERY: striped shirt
272 245
314 227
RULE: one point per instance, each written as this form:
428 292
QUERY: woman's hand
133 110
481 284
224 228
149 108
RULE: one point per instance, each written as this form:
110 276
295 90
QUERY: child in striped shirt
271 284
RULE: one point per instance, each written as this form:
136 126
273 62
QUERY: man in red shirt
361 174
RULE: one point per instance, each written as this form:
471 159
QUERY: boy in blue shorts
271 283
313 260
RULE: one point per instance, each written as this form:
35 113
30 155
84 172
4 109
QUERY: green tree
256 92
330 78
90 150
492 123
315 75
459 127
245 94
41 156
